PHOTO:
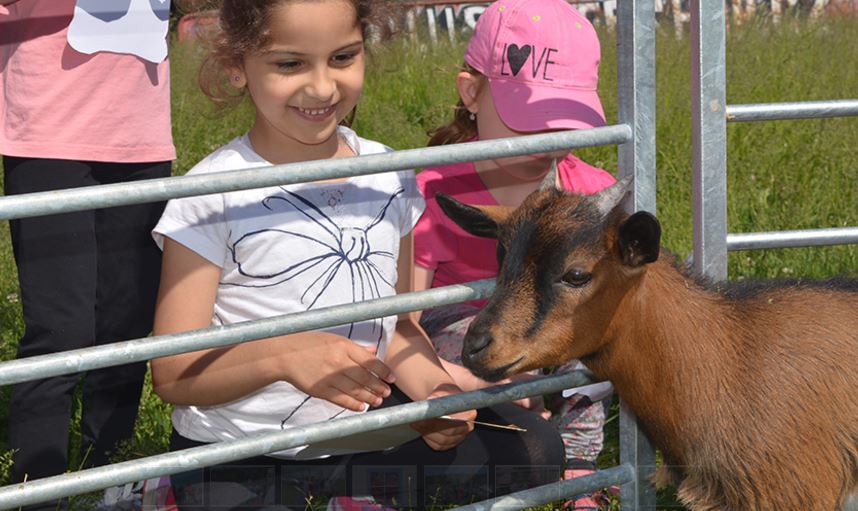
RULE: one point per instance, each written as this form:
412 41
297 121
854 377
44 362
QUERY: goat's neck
668 336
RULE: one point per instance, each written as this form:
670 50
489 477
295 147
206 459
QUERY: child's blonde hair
462 128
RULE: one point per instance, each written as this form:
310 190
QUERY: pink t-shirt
457 256
58 103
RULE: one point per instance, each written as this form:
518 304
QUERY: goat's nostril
474 344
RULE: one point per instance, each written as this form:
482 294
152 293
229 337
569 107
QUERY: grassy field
781 175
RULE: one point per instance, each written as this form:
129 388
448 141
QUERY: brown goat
750 390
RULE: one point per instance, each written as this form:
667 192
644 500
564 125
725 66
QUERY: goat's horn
608 198
550 179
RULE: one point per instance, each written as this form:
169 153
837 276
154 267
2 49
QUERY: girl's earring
236 78
473 116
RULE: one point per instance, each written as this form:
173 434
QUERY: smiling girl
253 254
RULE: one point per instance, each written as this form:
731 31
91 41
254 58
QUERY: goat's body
750 392
758 409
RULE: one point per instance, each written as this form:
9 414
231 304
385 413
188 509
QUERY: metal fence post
709 137
636 98
636 107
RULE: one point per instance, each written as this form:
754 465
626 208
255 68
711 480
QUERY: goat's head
566 261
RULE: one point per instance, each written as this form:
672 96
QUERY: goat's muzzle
474 348
475 354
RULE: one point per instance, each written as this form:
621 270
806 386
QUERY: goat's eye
501 253
576 278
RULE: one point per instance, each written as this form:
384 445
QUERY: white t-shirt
286 249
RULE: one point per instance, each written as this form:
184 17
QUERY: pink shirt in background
58 103
457 256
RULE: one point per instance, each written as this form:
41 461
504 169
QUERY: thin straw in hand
512 427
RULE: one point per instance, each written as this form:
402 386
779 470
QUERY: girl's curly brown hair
243 28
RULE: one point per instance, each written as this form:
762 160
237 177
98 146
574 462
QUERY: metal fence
635 137
711 113
146 348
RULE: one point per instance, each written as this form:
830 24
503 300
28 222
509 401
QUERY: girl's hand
336 369
536 403
444 434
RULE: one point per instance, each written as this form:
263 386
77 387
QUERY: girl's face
306 80
477 96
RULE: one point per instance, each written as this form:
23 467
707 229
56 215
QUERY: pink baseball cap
541 58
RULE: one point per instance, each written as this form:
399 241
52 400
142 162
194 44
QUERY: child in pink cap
531 66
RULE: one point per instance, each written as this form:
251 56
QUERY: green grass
781 175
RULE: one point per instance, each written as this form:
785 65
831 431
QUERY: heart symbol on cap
517 56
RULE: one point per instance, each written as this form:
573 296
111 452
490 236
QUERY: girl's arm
420 374
321 364
410 351
421 280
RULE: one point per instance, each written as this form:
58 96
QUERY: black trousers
87 278
490 462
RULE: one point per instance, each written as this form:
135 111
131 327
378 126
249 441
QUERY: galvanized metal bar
792 110
137 350
636 107
637 451
555 491
709 137
93 197
636 99
792 239
50 488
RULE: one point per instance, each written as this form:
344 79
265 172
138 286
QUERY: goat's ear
639 239
480 221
